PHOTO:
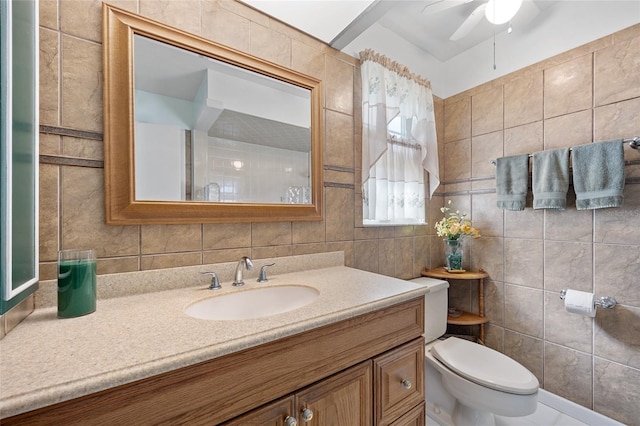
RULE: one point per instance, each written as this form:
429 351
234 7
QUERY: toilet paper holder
602 302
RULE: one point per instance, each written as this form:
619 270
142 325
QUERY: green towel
550 179
512 180
598 174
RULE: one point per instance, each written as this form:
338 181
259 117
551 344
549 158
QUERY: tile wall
591 93
72 171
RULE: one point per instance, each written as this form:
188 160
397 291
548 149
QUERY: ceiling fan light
501 11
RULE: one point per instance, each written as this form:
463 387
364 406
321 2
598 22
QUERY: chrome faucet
245 262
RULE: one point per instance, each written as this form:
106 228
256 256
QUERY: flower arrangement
454 225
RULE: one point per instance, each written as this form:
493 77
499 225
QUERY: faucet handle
215 284
262 278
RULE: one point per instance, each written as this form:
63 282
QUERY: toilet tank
436 304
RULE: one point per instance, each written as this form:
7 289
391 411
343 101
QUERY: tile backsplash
588 94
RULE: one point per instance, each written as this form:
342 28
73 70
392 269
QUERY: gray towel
512 179
550 179
598 174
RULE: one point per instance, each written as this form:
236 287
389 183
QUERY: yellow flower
454 225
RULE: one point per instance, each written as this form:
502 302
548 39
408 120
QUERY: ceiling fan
495 11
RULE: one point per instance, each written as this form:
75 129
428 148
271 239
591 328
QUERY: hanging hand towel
512 179
598 175
550 179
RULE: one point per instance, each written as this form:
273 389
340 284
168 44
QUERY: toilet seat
485 366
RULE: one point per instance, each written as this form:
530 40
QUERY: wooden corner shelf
466 318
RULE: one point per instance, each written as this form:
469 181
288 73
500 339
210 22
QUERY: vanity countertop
47 360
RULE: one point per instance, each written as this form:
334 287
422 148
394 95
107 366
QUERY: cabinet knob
307 415
406 383
290 421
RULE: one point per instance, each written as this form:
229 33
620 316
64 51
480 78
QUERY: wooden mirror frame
121 207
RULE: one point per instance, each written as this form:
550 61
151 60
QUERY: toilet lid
485 366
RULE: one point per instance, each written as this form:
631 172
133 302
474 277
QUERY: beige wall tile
170 238
339 217
387 257
568 87
612 225
82 148
299 249
49 212
568 373
488 254
523 310
50 144
457 125
270 45
569 224
271 251
225 255
485 218
619 120
494 297
614 265
564 328
527 88
338 139
526 350
226 235
404 258
225 27
457 160
421 255
308 232
524 224
338 85
617 335
366 255
616 388
525 139
568 265
271 234
484 149
82 18
616 76
117 265
173 260
182 14
487 111
345 246
568 130
523 262
81 84
49 77
49 16
82 211
306 59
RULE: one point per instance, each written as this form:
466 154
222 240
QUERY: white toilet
467 383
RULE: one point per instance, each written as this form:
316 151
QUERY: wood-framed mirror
197 132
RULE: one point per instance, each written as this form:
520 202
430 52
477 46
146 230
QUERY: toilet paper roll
580 302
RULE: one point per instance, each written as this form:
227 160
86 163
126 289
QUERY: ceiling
416 34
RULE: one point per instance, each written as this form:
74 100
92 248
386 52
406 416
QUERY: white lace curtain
394 160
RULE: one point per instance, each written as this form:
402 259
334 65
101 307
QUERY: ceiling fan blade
440 5
470 23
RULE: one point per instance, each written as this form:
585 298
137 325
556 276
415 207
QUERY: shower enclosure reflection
217 132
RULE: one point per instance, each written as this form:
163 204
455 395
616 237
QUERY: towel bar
634 143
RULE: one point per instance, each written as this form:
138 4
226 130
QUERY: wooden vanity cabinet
343 399
322 368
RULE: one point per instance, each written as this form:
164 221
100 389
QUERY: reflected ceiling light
501 11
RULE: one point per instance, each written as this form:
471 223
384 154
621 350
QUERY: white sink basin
254 303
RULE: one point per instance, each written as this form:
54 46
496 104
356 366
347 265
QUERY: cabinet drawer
399 381
415 417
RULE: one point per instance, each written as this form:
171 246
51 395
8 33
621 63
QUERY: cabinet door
272 414
344 399
399 381
415 417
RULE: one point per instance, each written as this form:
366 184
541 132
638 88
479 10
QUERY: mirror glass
209 131
198 132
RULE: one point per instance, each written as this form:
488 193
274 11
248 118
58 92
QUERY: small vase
454 253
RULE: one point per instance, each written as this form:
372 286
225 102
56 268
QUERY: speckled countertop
46 360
